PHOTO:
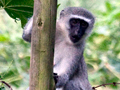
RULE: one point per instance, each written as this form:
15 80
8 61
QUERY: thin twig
114 84
6 84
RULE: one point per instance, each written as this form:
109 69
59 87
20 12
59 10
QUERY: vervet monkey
72 28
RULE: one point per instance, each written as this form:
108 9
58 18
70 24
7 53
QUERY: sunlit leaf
108 6
4 38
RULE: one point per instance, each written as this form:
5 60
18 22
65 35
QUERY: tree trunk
42 45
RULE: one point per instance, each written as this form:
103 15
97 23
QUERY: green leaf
114 15
2 88
4 38
108 6
22 9
58 5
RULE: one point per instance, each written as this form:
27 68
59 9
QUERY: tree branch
6 84
114 84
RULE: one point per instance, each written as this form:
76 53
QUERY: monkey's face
76 24
77 29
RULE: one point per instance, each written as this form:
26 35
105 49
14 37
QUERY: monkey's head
76 23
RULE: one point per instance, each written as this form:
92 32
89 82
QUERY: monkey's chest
60 53
62 56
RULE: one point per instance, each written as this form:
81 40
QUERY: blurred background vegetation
102 53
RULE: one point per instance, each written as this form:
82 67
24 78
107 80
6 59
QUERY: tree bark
42 44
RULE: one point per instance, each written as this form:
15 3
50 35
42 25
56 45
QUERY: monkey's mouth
75 38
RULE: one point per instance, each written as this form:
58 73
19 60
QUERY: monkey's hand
55 76
61 80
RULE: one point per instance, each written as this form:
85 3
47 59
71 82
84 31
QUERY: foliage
14 54
11 43
18 9
102 51
103 45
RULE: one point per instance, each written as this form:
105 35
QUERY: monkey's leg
72 85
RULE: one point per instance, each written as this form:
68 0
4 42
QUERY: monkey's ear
61 13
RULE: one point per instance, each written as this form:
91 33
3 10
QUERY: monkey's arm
69 67
27 30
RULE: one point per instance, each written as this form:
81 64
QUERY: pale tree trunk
42 45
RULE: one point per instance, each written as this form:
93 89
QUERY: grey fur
69 62
27 30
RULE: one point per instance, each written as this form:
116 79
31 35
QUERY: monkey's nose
75 38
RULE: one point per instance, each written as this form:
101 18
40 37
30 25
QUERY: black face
77 29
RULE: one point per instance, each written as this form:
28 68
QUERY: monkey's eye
74 22
84 24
